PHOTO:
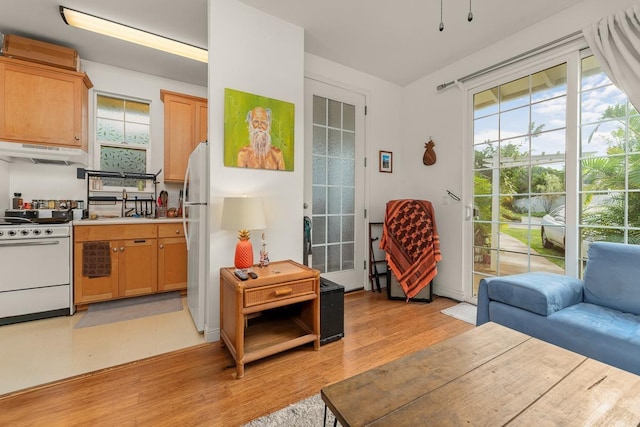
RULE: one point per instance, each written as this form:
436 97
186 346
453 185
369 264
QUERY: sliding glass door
532 136
519 173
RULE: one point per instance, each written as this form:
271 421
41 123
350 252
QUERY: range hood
43 153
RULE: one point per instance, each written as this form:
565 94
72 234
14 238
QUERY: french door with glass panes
334 182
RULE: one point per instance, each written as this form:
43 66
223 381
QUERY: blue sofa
598 317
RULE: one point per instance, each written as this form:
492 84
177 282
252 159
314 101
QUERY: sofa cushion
612 276
598 332
540 293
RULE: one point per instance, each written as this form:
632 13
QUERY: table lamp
244 214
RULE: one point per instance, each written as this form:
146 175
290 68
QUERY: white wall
253 52
5 202
441 115
60 182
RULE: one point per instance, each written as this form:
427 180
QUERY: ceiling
397 41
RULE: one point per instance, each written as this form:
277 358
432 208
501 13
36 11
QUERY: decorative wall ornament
385 161
429 157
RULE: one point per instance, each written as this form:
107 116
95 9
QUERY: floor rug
308 412
130 308
463 311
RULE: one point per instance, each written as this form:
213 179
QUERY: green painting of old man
258 131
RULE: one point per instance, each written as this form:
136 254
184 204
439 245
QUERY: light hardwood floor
46 350
196 386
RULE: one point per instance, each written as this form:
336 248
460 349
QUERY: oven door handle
38 243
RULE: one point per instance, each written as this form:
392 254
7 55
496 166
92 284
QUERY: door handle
38 243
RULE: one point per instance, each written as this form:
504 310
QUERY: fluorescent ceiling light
130 34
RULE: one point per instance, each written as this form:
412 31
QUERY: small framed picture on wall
386 161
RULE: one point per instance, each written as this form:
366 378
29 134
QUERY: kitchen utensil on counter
17 200
180 198
164 199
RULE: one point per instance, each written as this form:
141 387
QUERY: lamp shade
243 213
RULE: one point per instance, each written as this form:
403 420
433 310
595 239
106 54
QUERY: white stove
36 265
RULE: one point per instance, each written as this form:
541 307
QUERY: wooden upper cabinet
185 125
202 118
43 105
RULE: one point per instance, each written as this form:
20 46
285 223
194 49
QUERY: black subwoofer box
331 311
395 291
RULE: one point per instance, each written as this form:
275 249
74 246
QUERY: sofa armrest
482 309
539 293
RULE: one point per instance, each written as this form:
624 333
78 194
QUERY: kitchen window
123 127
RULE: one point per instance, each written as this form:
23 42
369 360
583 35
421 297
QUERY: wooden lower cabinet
172 257
138 267
142 262
91 289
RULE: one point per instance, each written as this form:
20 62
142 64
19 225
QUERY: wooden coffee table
490 375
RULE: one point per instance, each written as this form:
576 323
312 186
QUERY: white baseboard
211 335
448 293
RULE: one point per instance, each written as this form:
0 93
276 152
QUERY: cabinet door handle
161 246
115 249
77 138
122 249
177 231
282 292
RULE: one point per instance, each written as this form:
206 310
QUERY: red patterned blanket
411 242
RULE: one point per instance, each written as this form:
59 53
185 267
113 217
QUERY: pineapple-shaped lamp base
244 251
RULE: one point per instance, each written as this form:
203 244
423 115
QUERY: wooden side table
277 311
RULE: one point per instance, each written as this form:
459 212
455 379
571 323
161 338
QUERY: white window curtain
615 42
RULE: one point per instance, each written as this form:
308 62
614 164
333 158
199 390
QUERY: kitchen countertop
127 220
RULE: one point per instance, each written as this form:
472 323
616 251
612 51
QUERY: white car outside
552 228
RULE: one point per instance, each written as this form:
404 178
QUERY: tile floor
41 351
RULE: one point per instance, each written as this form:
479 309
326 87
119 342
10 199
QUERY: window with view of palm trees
609 161
522 132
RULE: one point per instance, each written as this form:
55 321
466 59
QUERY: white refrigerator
196 229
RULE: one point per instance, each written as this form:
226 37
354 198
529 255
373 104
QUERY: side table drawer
266 294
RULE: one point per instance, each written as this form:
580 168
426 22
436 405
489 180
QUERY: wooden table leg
239 370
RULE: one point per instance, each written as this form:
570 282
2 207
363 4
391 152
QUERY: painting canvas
258 131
